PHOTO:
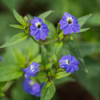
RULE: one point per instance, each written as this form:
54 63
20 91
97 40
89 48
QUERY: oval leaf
46 14
57 47
15 39
61 75
83 30
19 18
83 19
8 73
17 26
47 92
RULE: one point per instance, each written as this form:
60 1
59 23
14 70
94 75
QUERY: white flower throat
67 62
38 25
69 19
31 83
31 68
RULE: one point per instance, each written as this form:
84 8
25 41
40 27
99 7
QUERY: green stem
44 43
7 86
34 39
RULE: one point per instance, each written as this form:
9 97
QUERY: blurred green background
86 86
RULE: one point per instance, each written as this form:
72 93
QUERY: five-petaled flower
38 29
69 24
31 70
32 88
69 63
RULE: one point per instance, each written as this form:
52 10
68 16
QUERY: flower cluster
69 63
40 30
32 88
28 85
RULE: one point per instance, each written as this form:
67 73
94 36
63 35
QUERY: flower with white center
31 70
38 29
69 63
69 24
32 88
31 83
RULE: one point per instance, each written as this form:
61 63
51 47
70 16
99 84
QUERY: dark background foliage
86 85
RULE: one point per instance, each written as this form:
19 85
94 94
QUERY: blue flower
38 29
32 88
69 63
31 70
69 24
0 58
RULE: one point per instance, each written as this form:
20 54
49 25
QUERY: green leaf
15 39
47 92
89 48
19 18
49 66
75 51
61 75
21 61
17 26
57 47
36 59
52 30
63 80
82 20
2 84
83 30
94 20
45 14
61 35
8 73
41 77
44 57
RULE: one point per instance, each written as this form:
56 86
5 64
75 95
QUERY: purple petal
38 95
65 16
25 69
62 22
68 57
68 30
74 61
77 29
33 28
71 70
33 32
44 25
38 19
63 26
68 70
75 67
62 59
37 36
42 35
32 21
63 66
46 31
